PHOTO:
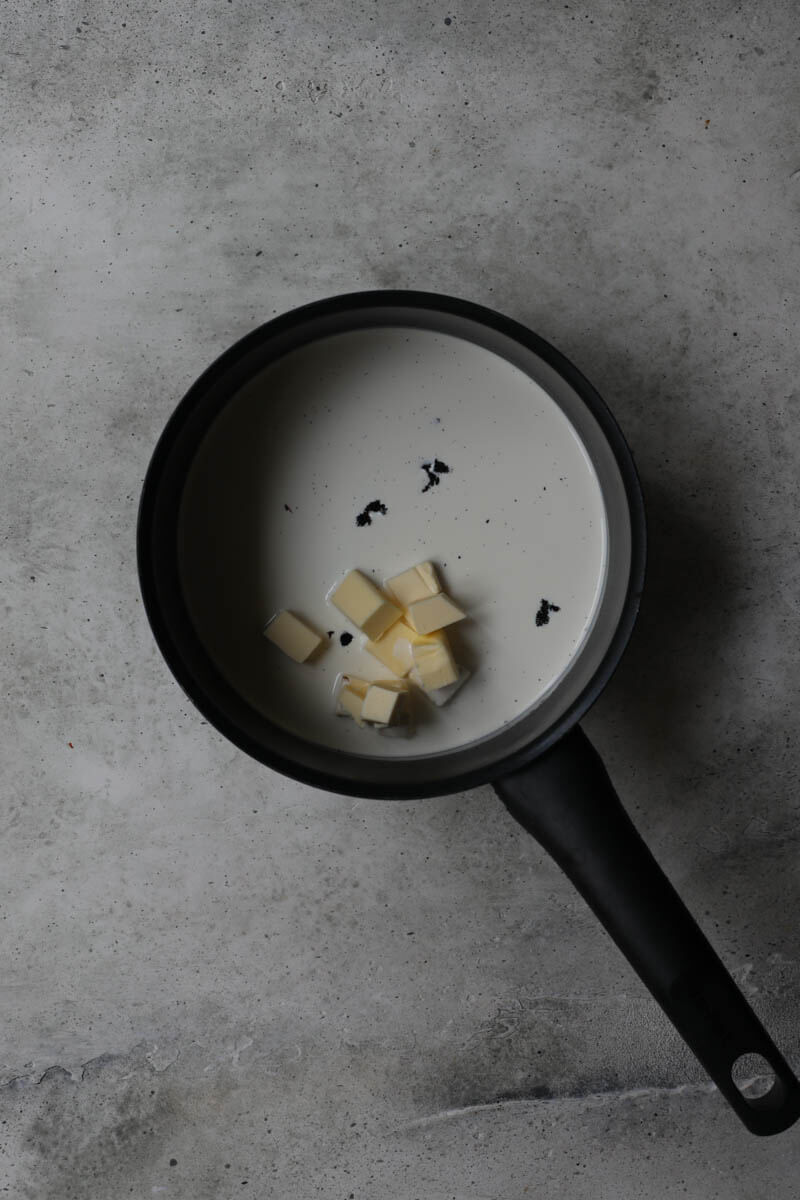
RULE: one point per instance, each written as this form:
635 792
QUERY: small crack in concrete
78 1074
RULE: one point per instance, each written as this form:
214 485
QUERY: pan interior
531 510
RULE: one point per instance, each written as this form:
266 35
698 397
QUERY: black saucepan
541 765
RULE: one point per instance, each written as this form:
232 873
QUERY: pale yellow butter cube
349 704
417 583
350 697
386 703
434 666
434 613
442 696
363 604
292 636
359 686
393 648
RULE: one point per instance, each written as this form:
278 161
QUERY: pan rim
375 301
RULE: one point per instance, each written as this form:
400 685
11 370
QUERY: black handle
566 800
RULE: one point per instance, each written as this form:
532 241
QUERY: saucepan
229 513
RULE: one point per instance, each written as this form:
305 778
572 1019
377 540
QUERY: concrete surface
217 983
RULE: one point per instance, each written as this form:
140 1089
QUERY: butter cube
349 704
292 636
393 648
386 703
350 697
434 666
359 686
433 613
442 696
417 583
364 605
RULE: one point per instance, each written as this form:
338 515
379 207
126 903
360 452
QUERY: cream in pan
379 449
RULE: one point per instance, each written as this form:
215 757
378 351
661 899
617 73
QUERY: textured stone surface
205 962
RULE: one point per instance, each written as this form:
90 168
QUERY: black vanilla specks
543 615
365 516
433 470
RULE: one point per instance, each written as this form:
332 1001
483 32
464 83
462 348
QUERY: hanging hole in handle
754 1077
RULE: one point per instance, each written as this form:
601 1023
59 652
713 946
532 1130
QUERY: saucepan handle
566 800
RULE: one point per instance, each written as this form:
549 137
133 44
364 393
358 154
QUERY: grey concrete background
215 982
